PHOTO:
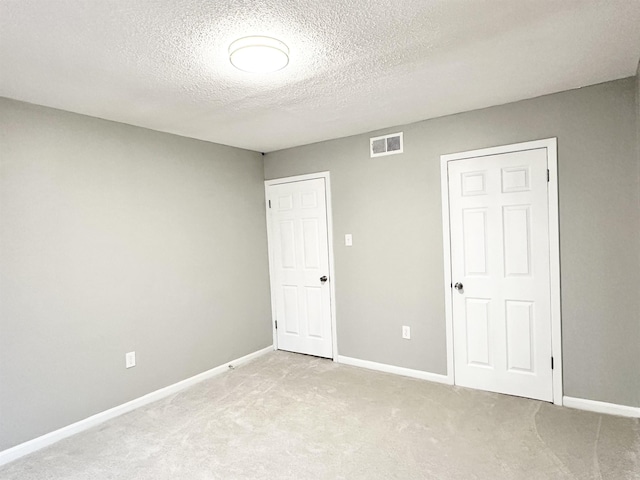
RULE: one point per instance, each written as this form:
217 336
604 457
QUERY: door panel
299 242
474 230
500 254
290 315
517 241
478 332
520 327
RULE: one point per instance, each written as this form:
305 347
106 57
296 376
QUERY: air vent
386 145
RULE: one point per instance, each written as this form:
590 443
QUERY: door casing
554 250
332 288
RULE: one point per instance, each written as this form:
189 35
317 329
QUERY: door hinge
269 203
551 363
548 175
276 324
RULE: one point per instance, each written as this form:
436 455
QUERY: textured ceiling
355 66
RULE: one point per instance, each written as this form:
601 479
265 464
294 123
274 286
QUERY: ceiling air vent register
386 145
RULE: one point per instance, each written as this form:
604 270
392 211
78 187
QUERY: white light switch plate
348 240
130 359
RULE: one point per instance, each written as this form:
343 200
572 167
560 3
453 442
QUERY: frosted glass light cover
258 54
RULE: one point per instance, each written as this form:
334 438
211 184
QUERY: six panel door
300 260
500 263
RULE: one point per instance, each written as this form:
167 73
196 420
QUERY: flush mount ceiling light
258 54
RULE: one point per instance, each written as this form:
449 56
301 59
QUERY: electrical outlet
348 240
130 359
406 332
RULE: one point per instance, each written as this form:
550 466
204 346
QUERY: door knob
323 278
458 286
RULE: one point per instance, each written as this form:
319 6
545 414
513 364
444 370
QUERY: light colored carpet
287 416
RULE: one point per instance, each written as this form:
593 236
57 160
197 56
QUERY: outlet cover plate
406 332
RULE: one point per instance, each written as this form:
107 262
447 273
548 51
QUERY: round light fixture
258 54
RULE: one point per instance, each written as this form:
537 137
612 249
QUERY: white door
300 266
500 267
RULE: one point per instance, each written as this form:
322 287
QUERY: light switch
348 240
130 359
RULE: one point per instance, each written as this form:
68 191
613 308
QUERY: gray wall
116 238
393 274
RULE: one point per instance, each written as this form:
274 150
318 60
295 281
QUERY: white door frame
554 250
332 283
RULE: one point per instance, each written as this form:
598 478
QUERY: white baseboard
571 402
601 407
30 446
407 372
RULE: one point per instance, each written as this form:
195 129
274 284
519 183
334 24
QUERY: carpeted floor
287 416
